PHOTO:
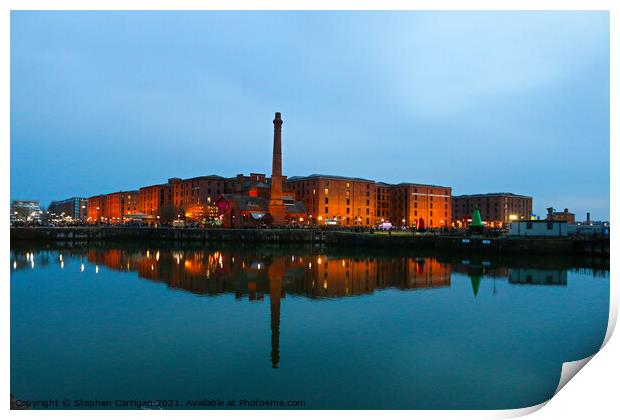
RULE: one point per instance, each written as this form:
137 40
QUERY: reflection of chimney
275 272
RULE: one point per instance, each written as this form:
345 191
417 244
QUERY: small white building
540 228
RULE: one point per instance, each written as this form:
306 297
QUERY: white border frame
598 384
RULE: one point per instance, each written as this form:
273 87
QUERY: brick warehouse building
315 199
420 205
116 207
335 200
156 203
496 209
346 201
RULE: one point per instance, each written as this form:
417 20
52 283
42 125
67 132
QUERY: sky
478 101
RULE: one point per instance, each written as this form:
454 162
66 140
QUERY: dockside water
333 328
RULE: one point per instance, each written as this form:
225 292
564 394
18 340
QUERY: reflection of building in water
335 277
211 273
537 276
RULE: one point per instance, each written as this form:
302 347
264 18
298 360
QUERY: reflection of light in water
14 265
82 268
96 269
233 259
319 261
292 258
148 254
221 264
152 268
178 260
157 256
325 285
32 263
309 265
27 256
343 263
208 273
259 266
62 264
60 257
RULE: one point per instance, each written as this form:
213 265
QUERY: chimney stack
277 209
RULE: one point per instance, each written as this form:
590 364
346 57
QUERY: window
326 191
368 202
326 210
348 210
528 226
348 201
326 200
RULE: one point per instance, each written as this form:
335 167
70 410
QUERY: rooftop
314 176
497 194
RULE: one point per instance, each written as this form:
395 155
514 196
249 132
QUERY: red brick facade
496 209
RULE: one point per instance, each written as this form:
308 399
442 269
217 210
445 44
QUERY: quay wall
530 245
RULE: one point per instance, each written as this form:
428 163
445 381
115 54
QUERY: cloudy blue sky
480 101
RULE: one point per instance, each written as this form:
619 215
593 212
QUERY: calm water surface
336 329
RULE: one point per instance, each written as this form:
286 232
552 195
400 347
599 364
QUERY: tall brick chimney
277 208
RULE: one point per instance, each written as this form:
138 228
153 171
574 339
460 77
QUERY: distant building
113 208
496 209
560 215
25 210
75 207
540 228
